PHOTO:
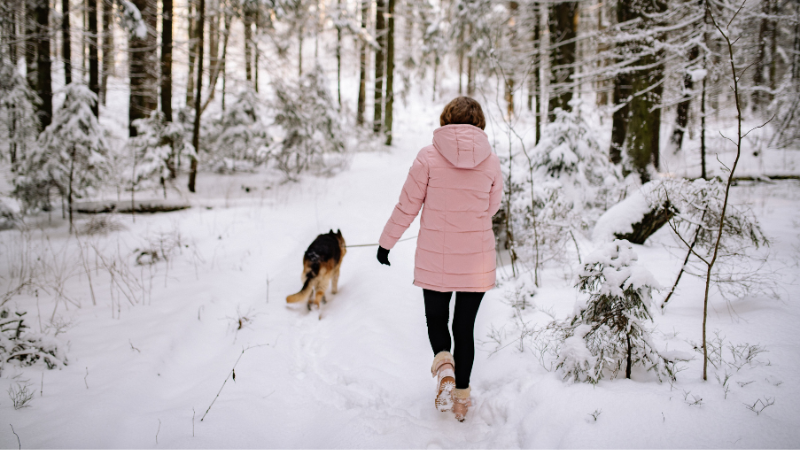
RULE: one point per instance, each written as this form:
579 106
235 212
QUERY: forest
165 163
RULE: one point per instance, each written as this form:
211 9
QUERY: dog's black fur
324 248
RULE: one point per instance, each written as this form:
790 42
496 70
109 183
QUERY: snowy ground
141 373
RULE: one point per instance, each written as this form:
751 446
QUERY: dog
321 263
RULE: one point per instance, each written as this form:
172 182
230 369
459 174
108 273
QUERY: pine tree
71 152
610 330
18 106
238 136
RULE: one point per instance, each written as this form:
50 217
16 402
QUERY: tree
239 136
362 71
18 102
43 77
94 67
563 33
389 75
310 122
71 152
66 52
108 49
380 26
154 148
638 87
197 112
609 331
143 65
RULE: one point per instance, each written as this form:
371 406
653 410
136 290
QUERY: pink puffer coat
458 178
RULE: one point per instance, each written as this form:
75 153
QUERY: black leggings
437 311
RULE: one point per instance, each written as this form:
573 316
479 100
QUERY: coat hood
464 146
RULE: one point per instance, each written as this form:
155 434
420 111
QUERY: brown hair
463 110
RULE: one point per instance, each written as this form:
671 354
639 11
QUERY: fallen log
137 207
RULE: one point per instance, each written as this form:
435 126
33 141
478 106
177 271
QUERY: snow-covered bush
559 188
69 155
310 121
609 331
155 148
18 120
21 346
238 135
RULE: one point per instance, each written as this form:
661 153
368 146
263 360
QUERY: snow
620 217
143 373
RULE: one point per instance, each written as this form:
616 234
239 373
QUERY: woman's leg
467 304
437 312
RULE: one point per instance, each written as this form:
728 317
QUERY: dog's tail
311 273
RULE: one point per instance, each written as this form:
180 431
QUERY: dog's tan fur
315 286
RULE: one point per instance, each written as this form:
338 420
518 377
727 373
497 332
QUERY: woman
458 178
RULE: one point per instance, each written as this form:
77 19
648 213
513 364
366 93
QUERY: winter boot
443 369
461 403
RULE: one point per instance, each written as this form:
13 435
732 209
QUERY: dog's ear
338 232
330 231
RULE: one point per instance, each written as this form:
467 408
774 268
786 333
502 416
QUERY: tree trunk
43 77
362 73
536 78
461 62
629 361
196 132
108 49
380 26
682 113
255 59
192 49
563 31
703 173
512 44
220 66
94 66
339 54
248 46
214 7
69 190
641 144
143 70
166 62
66 51
166 80
389 75
773 52
31 44
300 51
619 120
761 57
636 122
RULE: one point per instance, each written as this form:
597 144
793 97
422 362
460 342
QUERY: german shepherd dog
321 264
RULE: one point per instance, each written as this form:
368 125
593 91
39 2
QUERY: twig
132 347
84 378
685 261
19 443
157 431
230 374
193 414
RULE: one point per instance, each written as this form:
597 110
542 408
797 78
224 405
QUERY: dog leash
375 245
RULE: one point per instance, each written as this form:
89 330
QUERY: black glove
383 256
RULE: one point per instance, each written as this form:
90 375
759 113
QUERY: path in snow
360 376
